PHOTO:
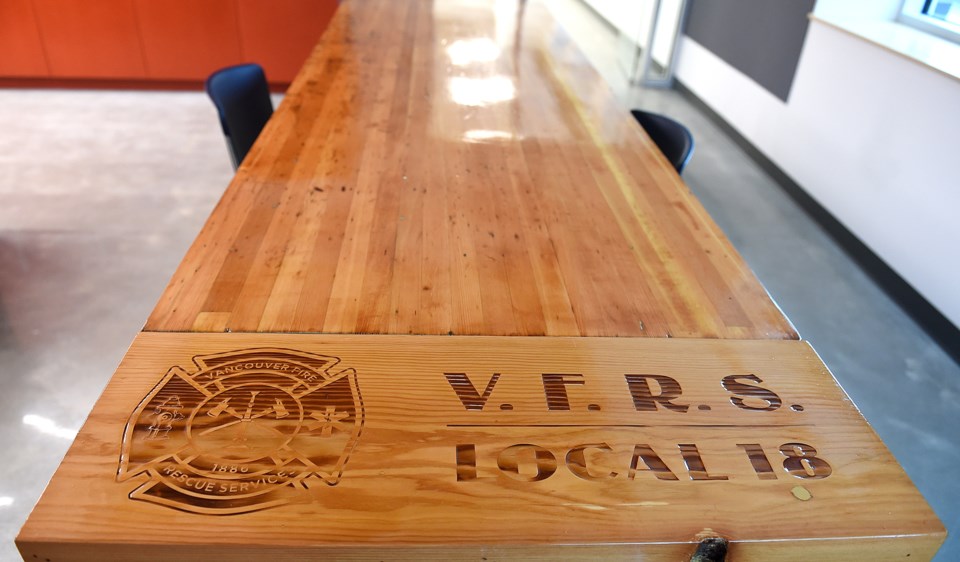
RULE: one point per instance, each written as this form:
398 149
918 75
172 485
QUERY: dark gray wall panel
761 38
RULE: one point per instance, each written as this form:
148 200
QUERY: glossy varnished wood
457 167
439 454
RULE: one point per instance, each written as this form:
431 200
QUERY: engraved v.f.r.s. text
247 430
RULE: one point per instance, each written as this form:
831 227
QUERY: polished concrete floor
103 191
100 195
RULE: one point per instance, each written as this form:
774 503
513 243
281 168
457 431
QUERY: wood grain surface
475 446
458 167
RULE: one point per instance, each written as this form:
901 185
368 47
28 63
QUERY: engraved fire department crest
247 430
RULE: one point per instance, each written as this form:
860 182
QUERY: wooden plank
458 167
225 446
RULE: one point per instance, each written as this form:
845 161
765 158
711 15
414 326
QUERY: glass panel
632 21
944 10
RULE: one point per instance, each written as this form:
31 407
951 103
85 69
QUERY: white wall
870 135
854 10
632 18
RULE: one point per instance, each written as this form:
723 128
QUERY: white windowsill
931 51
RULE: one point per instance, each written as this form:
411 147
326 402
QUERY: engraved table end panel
434 446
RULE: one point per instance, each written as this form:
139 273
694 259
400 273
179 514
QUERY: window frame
912 14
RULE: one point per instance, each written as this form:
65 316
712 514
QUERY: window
937 17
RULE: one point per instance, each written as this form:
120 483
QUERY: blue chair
672 138
243 102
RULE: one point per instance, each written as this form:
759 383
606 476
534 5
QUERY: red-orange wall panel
188 39
279 34
21 51
90 38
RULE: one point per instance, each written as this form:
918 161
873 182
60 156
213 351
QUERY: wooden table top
458 167
456 170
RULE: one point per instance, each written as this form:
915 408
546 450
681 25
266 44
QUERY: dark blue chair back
243 102
672 138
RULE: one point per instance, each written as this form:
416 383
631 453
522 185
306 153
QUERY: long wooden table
386 342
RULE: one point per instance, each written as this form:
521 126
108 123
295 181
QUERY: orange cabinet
90 38
187 39
279 34
21 50
144 41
